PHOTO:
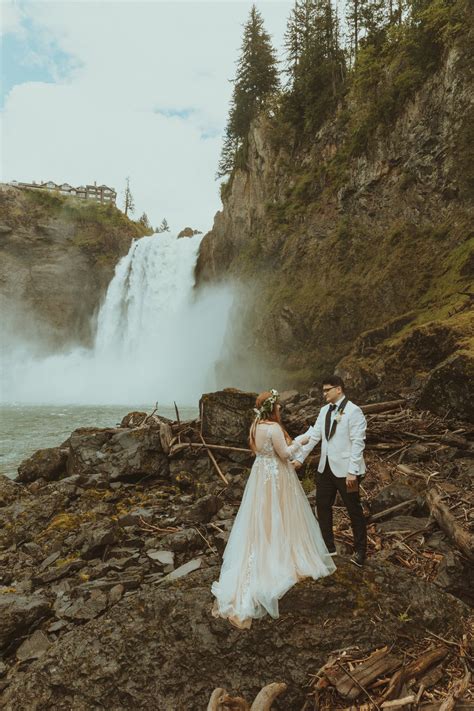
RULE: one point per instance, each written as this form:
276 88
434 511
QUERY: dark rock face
188 232
9 490
447 387
391 495
343 272
135 651
99 456
56 259
227 416
49 464
19 613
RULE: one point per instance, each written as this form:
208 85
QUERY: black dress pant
327 486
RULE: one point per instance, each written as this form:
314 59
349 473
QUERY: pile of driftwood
389 679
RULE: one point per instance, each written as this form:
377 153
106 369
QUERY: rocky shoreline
109 544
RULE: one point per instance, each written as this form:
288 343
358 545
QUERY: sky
98 90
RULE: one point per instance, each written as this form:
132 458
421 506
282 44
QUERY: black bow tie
332 408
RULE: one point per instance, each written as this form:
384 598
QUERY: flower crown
267 405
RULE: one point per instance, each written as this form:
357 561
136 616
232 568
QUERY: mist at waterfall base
157 340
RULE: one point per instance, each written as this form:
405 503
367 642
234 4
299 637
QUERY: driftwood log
351 684
383 406
221 701
413 670
463 540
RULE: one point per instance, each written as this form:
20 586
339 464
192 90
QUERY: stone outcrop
188 232
356 263
57 257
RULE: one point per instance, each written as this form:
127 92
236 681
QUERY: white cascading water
155 341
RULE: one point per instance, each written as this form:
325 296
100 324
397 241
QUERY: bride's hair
272 416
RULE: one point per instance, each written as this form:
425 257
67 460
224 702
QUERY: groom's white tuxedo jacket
346 446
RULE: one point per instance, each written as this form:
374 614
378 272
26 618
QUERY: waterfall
156 341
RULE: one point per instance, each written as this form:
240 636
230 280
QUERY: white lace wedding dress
275 540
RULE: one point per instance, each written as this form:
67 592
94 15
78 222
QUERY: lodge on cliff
99 193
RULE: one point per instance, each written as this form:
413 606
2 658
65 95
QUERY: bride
275 540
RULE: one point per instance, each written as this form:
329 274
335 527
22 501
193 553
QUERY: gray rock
403 523
116 593
202 510
445 388
162 557
49 464
391 495
185 540
34 647
19 613
101 456
227 416
97 538
9 490
184 570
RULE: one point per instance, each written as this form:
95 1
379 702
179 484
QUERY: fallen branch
414 669
460 687
176 448
463 540
213 460
392 509
267 695
383 406
177 414
398 702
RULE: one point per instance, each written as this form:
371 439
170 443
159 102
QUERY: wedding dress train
275 540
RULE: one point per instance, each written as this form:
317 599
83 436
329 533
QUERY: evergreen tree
256 80
143 220
320 70
164 227
129 205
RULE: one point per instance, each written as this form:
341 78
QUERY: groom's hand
352 483
297 465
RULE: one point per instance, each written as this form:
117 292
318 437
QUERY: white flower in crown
338 416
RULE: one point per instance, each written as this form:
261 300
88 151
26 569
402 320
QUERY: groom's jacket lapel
339 410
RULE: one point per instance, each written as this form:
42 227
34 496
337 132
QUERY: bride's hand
304 440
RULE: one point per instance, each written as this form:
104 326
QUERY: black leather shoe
358 559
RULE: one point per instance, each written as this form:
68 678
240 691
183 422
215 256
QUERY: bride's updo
266 410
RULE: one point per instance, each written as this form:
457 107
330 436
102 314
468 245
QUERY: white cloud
10 18
138 64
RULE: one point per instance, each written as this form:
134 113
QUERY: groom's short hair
334 380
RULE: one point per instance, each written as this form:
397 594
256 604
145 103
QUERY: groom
340 428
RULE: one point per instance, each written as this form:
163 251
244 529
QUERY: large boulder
227 416
9 490
447 387
49 464
18 614
106 455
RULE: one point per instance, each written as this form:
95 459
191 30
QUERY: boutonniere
338 416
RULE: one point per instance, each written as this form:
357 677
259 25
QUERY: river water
26 428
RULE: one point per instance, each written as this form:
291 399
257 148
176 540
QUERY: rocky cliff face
366 258
57 258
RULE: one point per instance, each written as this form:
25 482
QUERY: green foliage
256 80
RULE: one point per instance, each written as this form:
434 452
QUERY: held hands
303 440
296 464
352 483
